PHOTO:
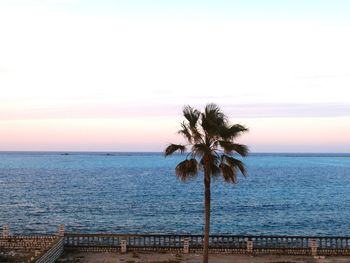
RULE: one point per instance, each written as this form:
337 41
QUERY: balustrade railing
260 244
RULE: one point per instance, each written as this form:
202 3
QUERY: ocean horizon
121 153
138 192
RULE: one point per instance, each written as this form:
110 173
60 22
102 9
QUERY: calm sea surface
138 192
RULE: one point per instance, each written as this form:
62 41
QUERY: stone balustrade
289 245
227 244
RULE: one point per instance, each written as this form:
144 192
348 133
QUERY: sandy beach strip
88 257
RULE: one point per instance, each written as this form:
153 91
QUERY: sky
114 75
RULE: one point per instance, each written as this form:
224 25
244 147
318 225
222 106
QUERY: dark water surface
294 194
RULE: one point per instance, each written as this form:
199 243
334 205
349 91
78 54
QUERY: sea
94 192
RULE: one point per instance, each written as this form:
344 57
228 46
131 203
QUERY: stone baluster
123 244
313 246
36 252
61 230
249 246
186 245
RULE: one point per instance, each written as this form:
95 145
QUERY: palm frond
186 133
228 173
214 169
201 149
231 132
171 148
211 109
191 114
187 169
213 112
213 120
234 163
213 161
230 148
212 140
196 135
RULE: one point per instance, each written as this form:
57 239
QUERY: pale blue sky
245 9
331 11
109 67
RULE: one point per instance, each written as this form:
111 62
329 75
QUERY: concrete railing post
186 245
36 252
313 246
61 230
123 248
5 231
249 246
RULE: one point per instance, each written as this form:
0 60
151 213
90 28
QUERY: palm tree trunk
207 215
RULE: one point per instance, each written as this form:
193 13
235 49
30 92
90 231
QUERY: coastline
75 247
89 257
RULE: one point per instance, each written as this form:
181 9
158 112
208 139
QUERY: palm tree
211 140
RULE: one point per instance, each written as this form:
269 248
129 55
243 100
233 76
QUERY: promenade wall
31 249
47 249
227 244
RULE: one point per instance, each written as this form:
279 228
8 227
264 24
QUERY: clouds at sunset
69 66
